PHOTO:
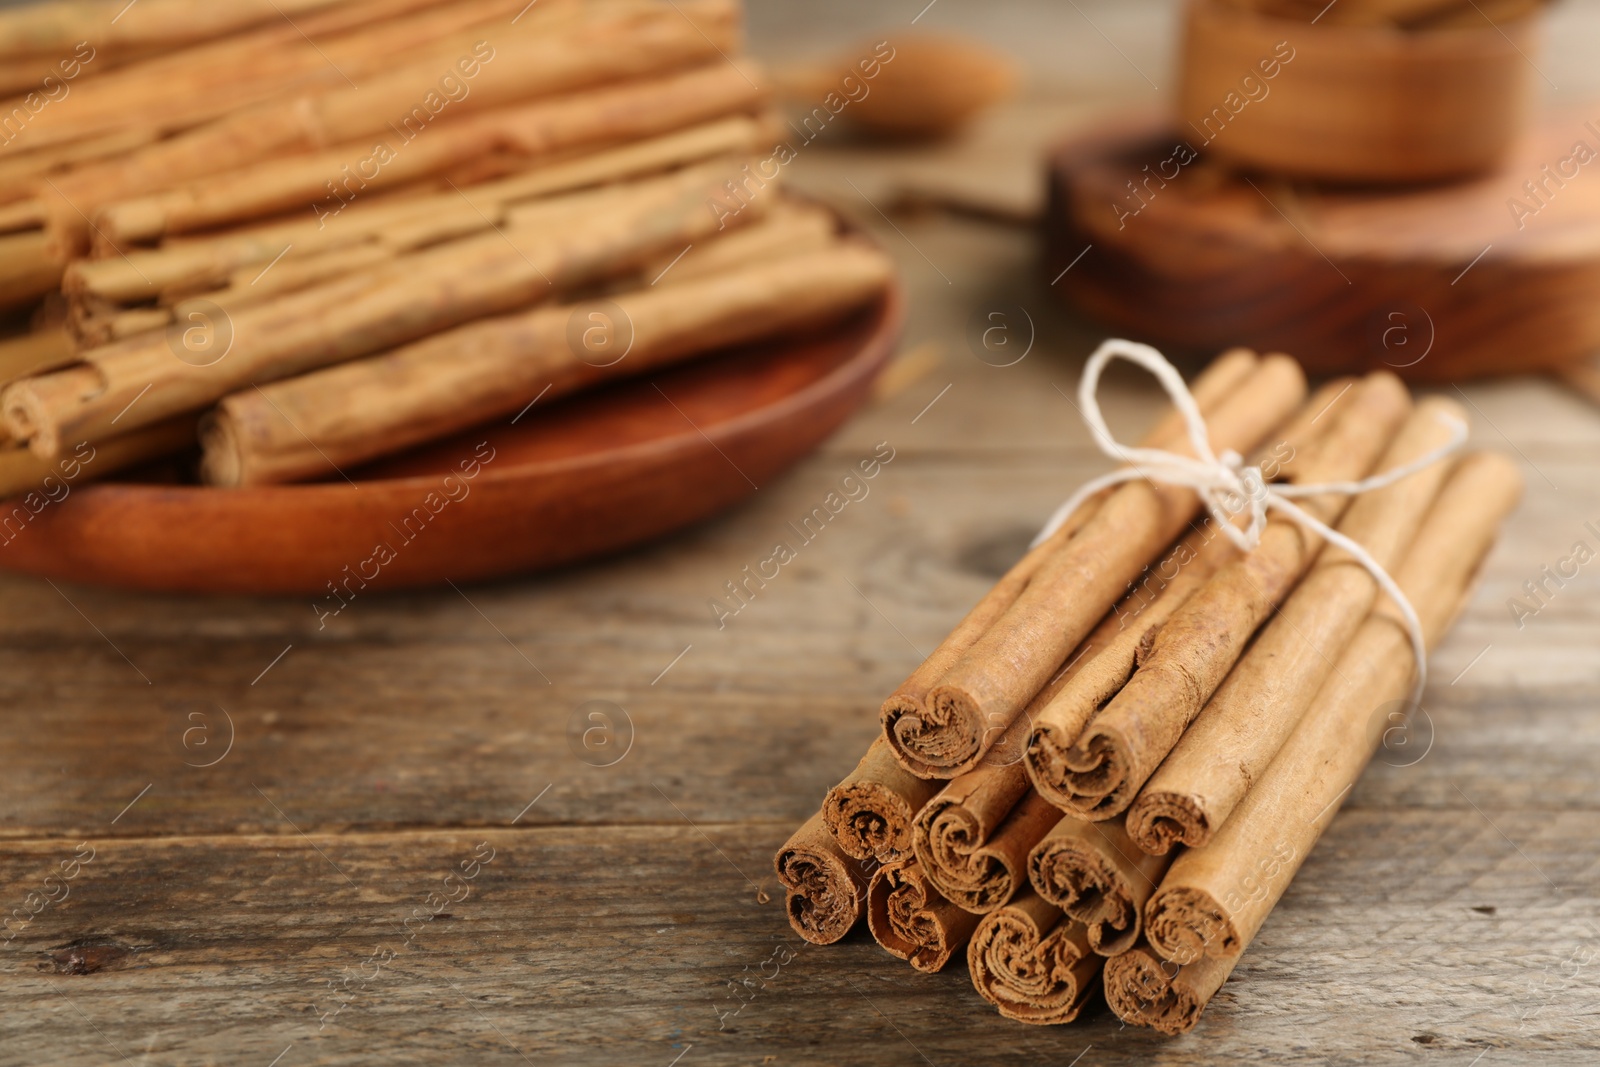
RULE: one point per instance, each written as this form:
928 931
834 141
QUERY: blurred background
383 732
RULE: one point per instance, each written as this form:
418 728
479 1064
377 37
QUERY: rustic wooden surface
254 911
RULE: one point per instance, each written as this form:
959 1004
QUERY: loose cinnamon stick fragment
605 233
1146 990
1230 744
1032 962
870 812
458 378
1096 874
1215 898
825 890
905 714
1196 648
911 920
984 692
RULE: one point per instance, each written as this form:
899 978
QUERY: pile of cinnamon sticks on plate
1109 772
309 234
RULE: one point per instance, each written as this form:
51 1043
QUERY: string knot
1226 485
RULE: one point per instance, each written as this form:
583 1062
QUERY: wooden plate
577 479
1436 282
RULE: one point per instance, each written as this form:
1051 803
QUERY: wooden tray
1436 282
570 481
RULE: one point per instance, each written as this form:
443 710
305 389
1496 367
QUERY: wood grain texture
1356 103
606 930
1436 282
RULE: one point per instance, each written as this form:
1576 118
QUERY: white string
1226 486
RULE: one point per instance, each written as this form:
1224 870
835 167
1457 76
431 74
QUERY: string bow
1226 486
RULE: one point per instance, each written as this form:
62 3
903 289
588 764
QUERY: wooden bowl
1353 103
577 479
1434 282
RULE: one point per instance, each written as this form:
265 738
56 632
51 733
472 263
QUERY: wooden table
391 840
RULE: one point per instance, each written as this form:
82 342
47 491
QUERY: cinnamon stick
870 812
1118 647
639 44
605 233
974 837
346 414
45 29
1215 898
37 480
179 90
34 352
21 215
909 918
825 890
26 271
206 262
1197 647
1146 990
982 694
1124 638
1032 963
905 711
254 285
595 117
1230 744
1095 873
789 227
26 162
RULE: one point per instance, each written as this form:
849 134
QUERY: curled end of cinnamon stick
949 843
1079 881
868 820
1185 924
1146 990
27 416
824 888
1159 821
1032 963
909 918
1097 782
870 813
939 737
1046 762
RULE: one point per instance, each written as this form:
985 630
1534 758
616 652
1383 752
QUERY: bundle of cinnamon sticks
1109 772
304 245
